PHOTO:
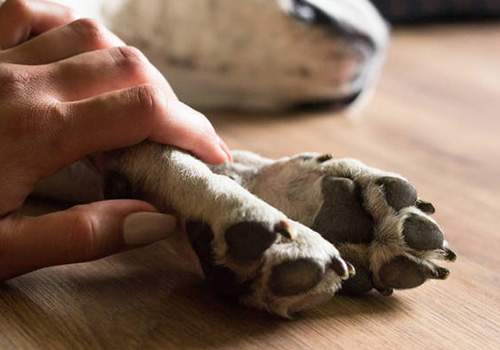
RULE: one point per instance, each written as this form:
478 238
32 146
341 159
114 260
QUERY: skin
70 88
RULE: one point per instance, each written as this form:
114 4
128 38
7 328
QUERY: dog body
253 54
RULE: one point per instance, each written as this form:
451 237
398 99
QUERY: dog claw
351 269
284 228
450 255
385 291
324 157
340 267
426 207
440 273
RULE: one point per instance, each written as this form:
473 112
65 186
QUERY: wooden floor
435 118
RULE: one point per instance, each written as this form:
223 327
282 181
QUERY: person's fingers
97 72
63 42
21 19
186 128
81 233
126 117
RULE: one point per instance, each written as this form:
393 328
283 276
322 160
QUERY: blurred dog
253 54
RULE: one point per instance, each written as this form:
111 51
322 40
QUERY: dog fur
259 55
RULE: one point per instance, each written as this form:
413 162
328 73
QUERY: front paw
374 218
378 223
269 262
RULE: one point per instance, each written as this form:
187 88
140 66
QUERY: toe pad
402 273
247 241
398 192
421 233
342 218
294 277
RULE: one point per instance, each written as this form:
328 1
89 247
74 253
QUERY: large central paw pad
378 223
277 265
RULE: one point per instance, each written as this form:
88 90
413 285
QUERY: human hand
72 90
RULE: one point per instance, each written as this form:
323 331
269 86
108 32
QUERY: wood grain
435 118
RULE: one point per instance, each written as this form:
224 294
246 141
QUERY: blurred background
418 11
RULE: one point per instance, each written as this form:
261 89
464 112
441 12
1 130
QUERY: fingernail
224 147
146 228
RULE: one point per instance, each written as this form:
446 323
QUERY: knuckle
39 129
55 132
149 99
130 52
82 235
133 61
92 32
54 121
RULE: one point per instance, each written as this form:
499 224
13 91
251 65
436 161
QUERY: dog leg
247 248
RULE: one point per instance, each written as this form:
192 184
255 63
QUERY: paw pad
294 277
244 262
247 241
422 234
343 208
398 192
402 273
360 283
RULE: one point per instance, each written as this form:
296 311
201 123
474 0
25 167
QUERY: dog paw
247 248
268 261
379 224
374 218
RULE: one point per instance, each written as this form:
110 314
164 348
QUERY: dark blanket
401 11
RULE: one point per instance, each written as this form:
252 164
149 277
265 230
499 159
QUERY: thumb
81 233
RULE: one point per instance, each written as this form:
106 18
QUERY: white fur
249 54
